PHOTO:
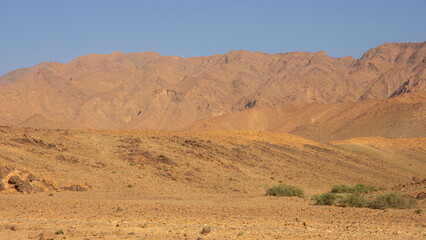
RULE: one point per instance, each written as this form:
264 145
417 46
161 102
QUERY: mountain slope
147 90
407 153
156 162
402 116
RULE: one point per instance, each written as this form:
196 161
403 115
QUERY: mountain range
309 94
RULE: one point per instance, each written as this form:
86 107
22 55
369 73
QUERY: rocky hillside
155 162
401 116
147 90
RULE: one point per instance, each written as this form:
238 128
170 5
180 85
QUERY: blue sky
52 30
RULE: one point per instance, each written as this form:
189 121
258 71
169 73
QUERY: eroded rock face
22 186
13 180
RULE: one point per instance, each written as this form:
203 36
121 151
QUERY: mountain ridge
150 91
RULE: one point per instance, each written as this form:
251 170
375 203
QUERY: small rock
46 236
131 234
305 224
31 177
206 229
14 228
416 179
75 188
199 238
21 186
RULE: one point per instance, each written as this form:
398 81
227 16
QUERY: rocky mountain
150 91
402 116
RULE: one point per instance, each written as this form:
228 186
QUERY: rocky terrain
144 146
401 116
150 91
153 184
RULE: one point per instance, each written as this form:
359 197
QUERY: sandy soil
181 181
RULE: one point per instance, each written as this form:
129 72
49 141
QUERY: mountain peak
147 90
321 53
117 53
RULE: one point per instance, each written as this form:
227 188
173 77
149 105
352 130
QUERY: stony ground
169 185
99 216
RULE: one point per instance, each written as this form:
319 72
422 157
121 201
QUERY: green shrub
325 199
418 211
340 189
60 231
392 200
361 188
353 200
130 185
284 190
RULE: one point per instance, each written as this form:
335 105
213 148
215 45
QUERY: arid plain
143 146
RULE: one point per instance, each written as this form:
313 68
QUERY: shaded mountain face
147 90
402 116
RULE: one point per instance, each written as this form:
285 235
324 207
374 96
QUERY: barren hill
401 116
150 91
152 184
155 158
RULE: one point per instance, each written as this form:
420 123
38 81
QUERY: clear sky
53 30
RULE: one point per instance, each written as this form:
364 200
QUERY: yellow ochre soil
136 184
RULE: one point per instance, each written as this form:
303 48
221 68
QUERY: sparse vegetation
113 172
130 185
50 195
353 200
359 188
355 197
418 211
132 163
325 199
60 231
392 200
340 189
284 190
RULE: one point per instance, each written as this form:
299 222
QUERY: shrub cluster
359 188
325 199
392 200
353 200
284 190
353 197
340 189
